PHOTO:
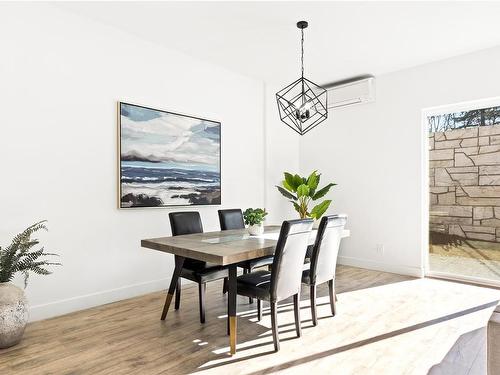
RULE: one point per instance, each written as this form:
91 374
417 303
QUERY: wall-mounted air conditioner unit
350 92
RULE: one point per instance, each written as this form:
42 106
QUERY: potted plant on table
18 257
301 191
254 218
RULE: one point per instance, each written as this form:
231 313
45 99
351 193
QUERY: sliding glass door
464 191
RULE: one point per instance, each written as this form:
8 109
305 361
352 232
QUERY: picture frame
167 159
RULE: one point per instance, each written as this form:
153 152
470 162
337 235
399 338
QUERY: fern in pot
254 218
19 257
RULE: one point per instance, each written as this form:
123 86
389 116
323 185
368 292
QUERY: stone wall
465 182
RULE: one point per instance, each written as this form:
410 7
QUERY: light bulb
304 111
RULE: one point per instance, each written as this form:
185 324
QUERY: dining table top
222 247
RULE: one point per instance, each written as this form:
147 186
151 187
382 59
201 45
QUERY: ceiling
344 39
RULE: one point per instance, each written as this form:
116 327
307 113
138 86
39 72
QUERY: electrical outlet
380 249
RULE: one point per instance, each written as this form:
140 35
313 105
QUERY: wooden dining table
225 248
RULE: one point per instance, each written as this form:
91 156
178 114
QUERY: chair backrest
231 219
185 223
326 248
289 256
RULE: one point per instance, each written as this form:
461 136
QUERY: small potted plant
18 257
254 218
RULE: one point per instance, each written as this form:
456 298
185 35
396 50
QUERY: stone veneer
465 182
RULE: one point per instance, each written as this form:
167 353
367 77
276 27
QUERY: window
464 190
464 119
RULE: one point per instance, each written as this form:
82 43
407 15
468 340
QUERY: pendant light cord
302 62
302 51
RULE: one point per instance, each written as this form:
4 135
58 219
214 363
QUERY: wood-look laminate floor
386 324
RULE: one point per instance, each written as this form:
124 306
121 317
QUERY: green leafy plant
301 191
19 256
254 216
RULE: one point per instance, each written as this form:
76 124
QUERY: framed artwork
167 159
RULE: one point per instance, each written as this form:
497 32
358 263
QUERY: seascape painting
167 159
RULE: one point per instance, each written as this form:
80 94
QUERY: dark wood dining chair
194 270
283 281
324 260
233 219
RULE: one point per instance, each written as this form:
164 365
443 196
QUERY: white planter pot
13 314
256 230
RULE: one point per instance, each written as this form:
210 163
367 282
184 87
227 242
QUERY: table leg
179 261
232 308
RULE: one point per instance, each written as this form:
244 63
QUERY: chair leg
224 286
274 324
312 294
202 287
259 310
179 261
178 295
250 299
296 311
333 296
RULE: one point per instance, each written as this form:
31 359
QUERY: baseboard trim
65 306
476 281
380 266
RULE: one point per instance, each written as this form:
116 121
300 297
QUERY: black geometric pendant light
302 105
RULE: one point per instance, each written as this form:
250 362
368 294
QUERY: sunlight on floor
418 321
457 256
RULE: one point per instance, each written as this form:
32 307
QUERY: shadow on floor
357 280
348 279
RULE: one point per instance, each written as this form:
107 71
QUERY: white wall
60 78
282 154
374 152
